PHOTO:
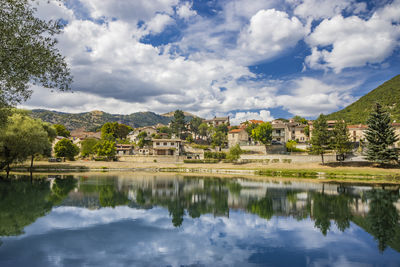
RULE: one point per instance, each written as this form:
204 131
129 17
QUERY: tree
195 123
61 130
300 119
108 131
235 152
106 148
320 136
341 139
381 137
88 147
218 138
250 127
114 130
263 133
22 137
122 131
28 54
291 145
66 149
178 122
203 129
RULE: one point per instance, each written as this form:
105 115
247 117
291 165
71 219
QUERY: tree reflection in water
383 218
23 201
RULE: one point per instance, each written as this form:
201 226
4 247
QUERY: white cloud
311 97
185 11
129 10
270 32
321 9
264 115
53 10
158 23
354 42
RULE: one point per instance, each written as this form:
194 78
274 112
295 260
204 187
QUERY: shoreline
312 171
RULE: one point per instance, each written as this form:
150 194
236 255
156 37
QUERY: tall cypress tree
381 137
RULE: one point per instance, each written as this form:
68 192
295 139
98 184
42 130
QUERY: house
167 147
396 126
216 121
296 132
280 131
149 130
82 134
124 149
238 136
357 132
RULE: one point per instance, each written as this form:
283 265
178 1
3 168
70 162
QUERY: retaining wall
293 158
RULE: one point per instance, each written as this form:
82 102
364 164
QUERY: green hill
387 94
95 119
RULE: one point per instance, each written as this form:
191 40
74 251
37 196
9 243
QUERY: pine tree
341 141
381 137
320 136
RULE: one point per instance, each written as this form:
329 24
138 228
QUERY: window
172 144
293 132
165 143
278 131
157 143
302 131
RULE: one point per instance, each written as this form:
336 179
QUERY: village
209 141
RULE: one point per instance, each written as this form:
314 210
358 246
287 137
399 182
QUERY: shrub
287 160
200 161
275 160
214 155
235 152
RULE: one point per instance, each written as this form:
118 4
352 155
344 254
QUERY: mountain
387 94
187 114
93 120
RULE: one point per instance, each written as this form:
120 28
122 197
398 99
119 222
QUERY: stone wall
152 159
293 158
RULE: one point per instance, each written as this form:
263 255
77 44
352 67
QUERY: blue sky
259 59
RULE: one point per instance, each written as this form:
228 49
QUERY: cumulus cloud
185 10
131 11
322 9
264 115
311 97
158 23
339 42
270 32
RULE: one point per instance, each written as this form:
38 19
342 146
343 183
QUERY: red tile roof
236 130
256 121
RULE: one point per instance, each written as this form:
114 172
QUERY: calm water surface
173 220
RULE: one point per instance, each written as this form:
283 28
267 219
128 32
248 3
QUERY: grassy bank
295 170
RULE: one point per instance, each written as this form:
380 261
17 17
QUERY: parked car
55 159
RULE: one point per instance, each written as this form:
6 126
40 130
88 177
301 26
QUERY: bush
275 160
200 146
287 160
200 161
235 152
215 155
65 148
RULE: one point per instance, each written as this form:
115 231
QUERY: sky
259 59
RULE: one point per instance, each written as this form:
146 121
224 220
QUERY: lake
136 219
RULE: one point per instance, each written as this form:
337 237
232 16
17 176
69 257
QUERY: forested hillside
387 94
